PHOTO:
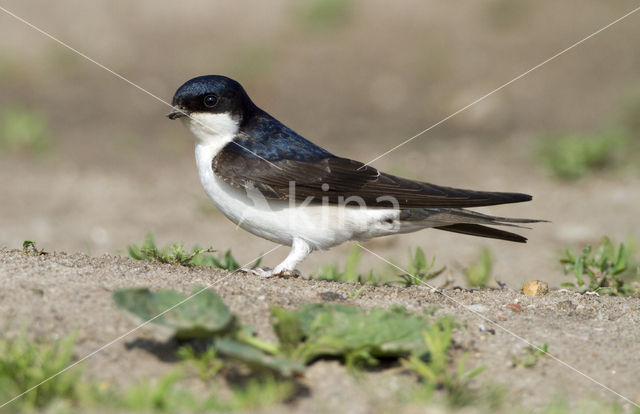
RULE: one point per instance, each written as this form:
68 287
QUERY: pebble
476 307
535 288
516 308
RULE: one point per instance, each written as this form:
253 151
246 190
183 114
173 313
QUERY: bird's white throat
212 130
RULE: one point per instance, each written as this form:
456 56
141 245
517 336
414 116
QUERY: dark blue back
274 141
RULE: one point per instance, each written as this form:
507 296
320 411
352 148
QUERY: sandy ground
56 294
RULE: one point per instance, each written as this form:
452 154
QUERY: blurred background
89 163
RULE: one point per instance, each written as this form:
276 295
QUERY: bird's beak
178 112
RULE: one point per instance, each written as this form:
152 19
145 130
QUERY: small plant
531 356
355 292
205 316
310 332
174 253
155 396
607 270
572 156
419 269
435 372
355 335
29 247
260 391
167 395
22 130
226 262
206 362
25 364
350 273
479 273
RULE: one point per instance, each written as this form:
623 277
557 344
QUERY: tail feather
466 222
473 217
483 231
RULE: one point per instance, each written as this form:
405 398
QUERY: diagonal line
113 341
497 325
503 86
116 74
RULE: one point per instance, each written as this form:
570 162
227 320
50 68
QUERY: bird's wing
336 180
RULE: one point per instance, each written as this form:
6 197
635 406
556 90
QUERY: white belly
320 226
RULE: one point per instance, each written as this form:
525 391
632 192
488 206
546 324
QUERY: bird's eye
210 101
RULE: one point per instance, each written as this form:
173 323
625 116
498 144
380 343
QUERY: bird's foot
259 271
267 272
288 273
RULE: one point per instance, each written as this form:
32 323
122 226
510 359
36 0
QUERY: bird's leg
299 250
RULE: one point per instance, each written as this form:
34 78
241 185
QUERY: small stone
516 308
535 288
477 307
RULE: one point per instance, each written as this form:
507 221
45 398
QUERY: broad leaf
202 316
349 332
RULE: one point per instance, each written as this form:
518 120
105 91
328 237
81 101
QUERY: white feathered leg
299 251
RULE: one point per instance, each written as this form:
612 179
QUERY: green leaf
202 316
349 332
579 266
288 328
256 358
419 269
474 372
418 261
622 259
29 247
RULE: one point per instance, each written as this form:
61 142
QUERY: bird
276 184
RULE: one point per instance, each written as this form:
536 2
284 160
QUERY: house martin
276 184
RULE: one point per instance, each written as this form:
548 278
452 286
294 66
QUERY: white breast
276 220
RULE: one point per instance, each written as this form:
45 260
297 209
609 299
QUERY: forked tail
469 222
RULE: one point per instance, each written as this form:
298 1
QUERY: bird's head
211 105
213 94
